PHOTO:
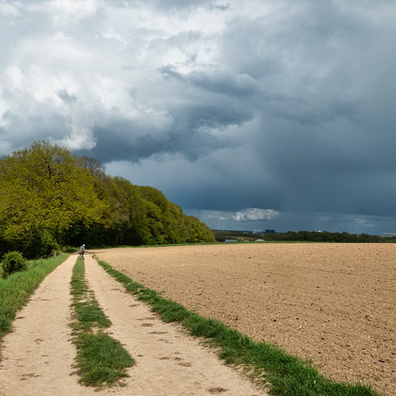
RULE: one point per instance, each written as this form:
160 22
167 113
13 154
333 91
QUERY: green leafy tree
45 191
50 198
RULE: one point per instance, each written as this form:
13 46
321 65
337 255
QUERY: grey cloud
162 5
222 7
181 4
228 84
51 125
169 71
212 116
189 134
328 172
66 97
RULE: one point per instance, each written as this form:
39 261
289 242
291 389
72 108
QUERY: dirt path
37 358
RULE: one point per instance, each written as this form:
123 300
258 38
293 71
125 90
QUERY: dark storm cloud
257 108
189 134
221 83
225 83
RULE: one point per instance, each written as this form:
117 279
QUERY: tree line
326 236
50 199
304 236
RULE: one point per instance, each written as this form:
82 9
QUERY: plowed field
331 303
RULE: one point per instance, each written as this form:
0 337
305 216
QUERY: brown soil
331 303
38 356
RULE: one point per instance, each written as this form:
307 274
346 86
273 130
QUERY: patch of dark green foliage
16 289
279 372
13 262
101 359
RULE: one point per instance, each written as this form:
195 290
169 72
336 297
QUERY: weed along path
38 357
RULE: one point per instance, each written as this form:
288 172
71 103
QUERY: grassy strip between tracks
101 360
17 288
281 373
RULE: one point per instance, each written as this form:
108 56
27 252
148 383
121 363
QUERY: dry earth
38 356
331 303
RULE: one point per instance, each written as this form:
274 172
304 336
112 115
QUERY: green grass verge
87 313
283 374
17 288
101 359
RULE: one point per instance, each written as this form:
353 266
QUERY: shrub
13 262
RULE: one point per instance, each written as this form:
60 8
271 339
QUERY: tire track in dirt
38 356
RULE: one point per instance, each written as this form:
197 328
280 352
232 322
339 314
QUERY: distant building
269 232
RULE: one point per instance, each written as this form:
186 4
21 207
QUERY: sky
248 114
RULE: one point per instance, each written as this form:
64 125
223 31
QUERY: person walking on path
81 251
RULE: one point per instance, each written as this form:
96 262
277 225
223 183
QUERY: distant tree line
325 236
304 236
50 199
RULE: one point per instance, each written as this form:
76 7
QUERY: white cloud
79 138
255 214
251 218
9 9
66 12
